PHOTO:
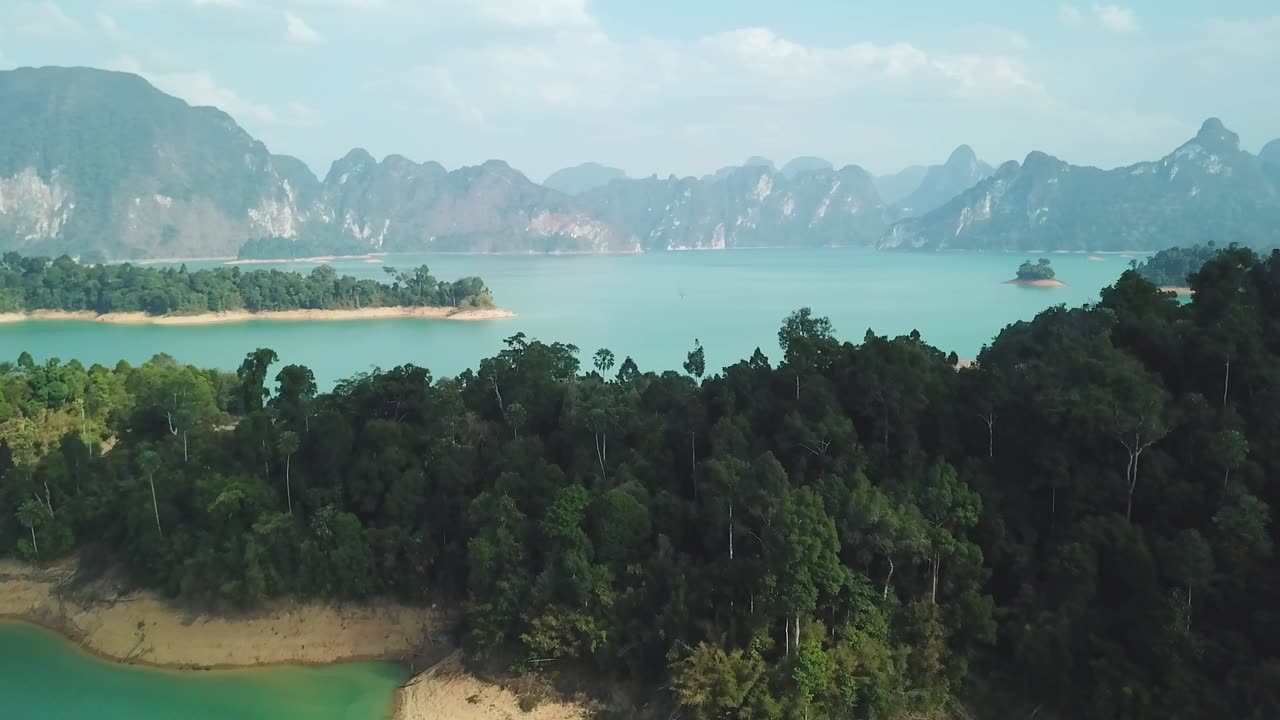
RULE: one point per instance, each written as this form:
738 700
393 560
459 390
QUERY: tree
288 446
149 463
603 360
253 378
32 513
696 362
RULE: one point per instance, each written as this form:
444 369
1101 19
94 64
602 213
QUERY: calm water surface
43 677
651 307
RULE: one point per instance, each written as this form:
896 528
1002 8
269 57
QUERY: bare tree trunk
35 545
797 631
797 387
154 504
786 629
1226 382
990 420
1226 475
887 578
599 456
184 447
288 488
937 565
730 531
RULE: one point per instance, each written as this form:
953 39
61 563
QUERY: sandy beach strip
140 628
1036 283
237 316
1177 290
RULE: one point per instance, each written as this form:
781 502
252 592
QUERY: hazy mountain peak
757 161
962 155
805 163
583 177
940 183
1215 137
1270 153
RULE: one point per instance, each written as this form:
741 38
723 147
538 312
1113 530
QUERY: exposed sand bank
376 313
141 628
368 257
1176 290
1036 283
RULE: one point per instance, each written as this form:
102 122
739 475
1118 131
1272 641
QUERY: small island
38 288
1038 274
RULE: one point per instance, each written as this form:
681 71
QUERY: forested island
1171 268
1078 525
33 284
1038 273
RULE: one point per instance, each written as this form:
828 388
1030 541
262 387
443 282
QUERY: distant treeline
1173 266
1078 526
37 283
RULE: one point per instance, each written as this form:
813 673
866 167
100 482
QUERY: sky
686 86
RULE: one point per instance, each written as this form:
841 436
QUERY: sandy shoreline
140 628
236 316
1036 283
1177 290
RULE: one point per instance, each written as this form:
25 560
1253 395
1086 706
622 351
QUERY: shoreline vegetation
237 316
132 293
1039 274
140 628
828 533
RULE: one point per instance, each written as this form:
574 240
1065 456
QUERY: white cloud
200 88
1116 19
298 31
41 19
533 13
1069 15
109 27
993 38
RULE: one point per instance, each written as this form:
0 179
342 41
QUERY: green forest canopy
1172 267
1078 526
1040 270
36 283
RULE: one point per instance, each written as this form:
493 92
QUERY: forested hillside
28 284
1077 527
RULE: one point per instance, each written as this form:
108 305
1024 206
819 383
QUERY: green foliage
1082 521
1174 266
36 283
1039 270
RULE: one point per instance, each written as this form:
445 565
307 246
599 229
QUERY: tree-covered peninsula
36 283
1171 268
1078 525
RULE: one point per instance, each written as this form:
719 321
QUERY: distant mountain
749 207
894 188
1207 189
1270 154
581 178
805 164
755 161
961 171
102 164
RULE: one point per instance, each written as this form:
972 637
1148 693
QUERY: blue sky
659 86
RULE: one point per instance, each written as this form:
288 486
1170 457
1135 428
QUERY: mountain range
1206 189
103 165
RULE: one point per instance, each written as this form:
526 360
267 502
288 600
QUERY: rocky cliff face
940 183
98 162
1207 189
752 206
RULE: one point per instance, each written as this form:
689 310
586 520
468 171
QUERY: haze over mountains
103 165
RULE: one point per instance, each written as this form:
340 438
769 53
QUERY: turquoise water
43 677
651 307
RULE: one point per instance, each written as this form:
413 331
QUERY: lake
650 306
43 677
